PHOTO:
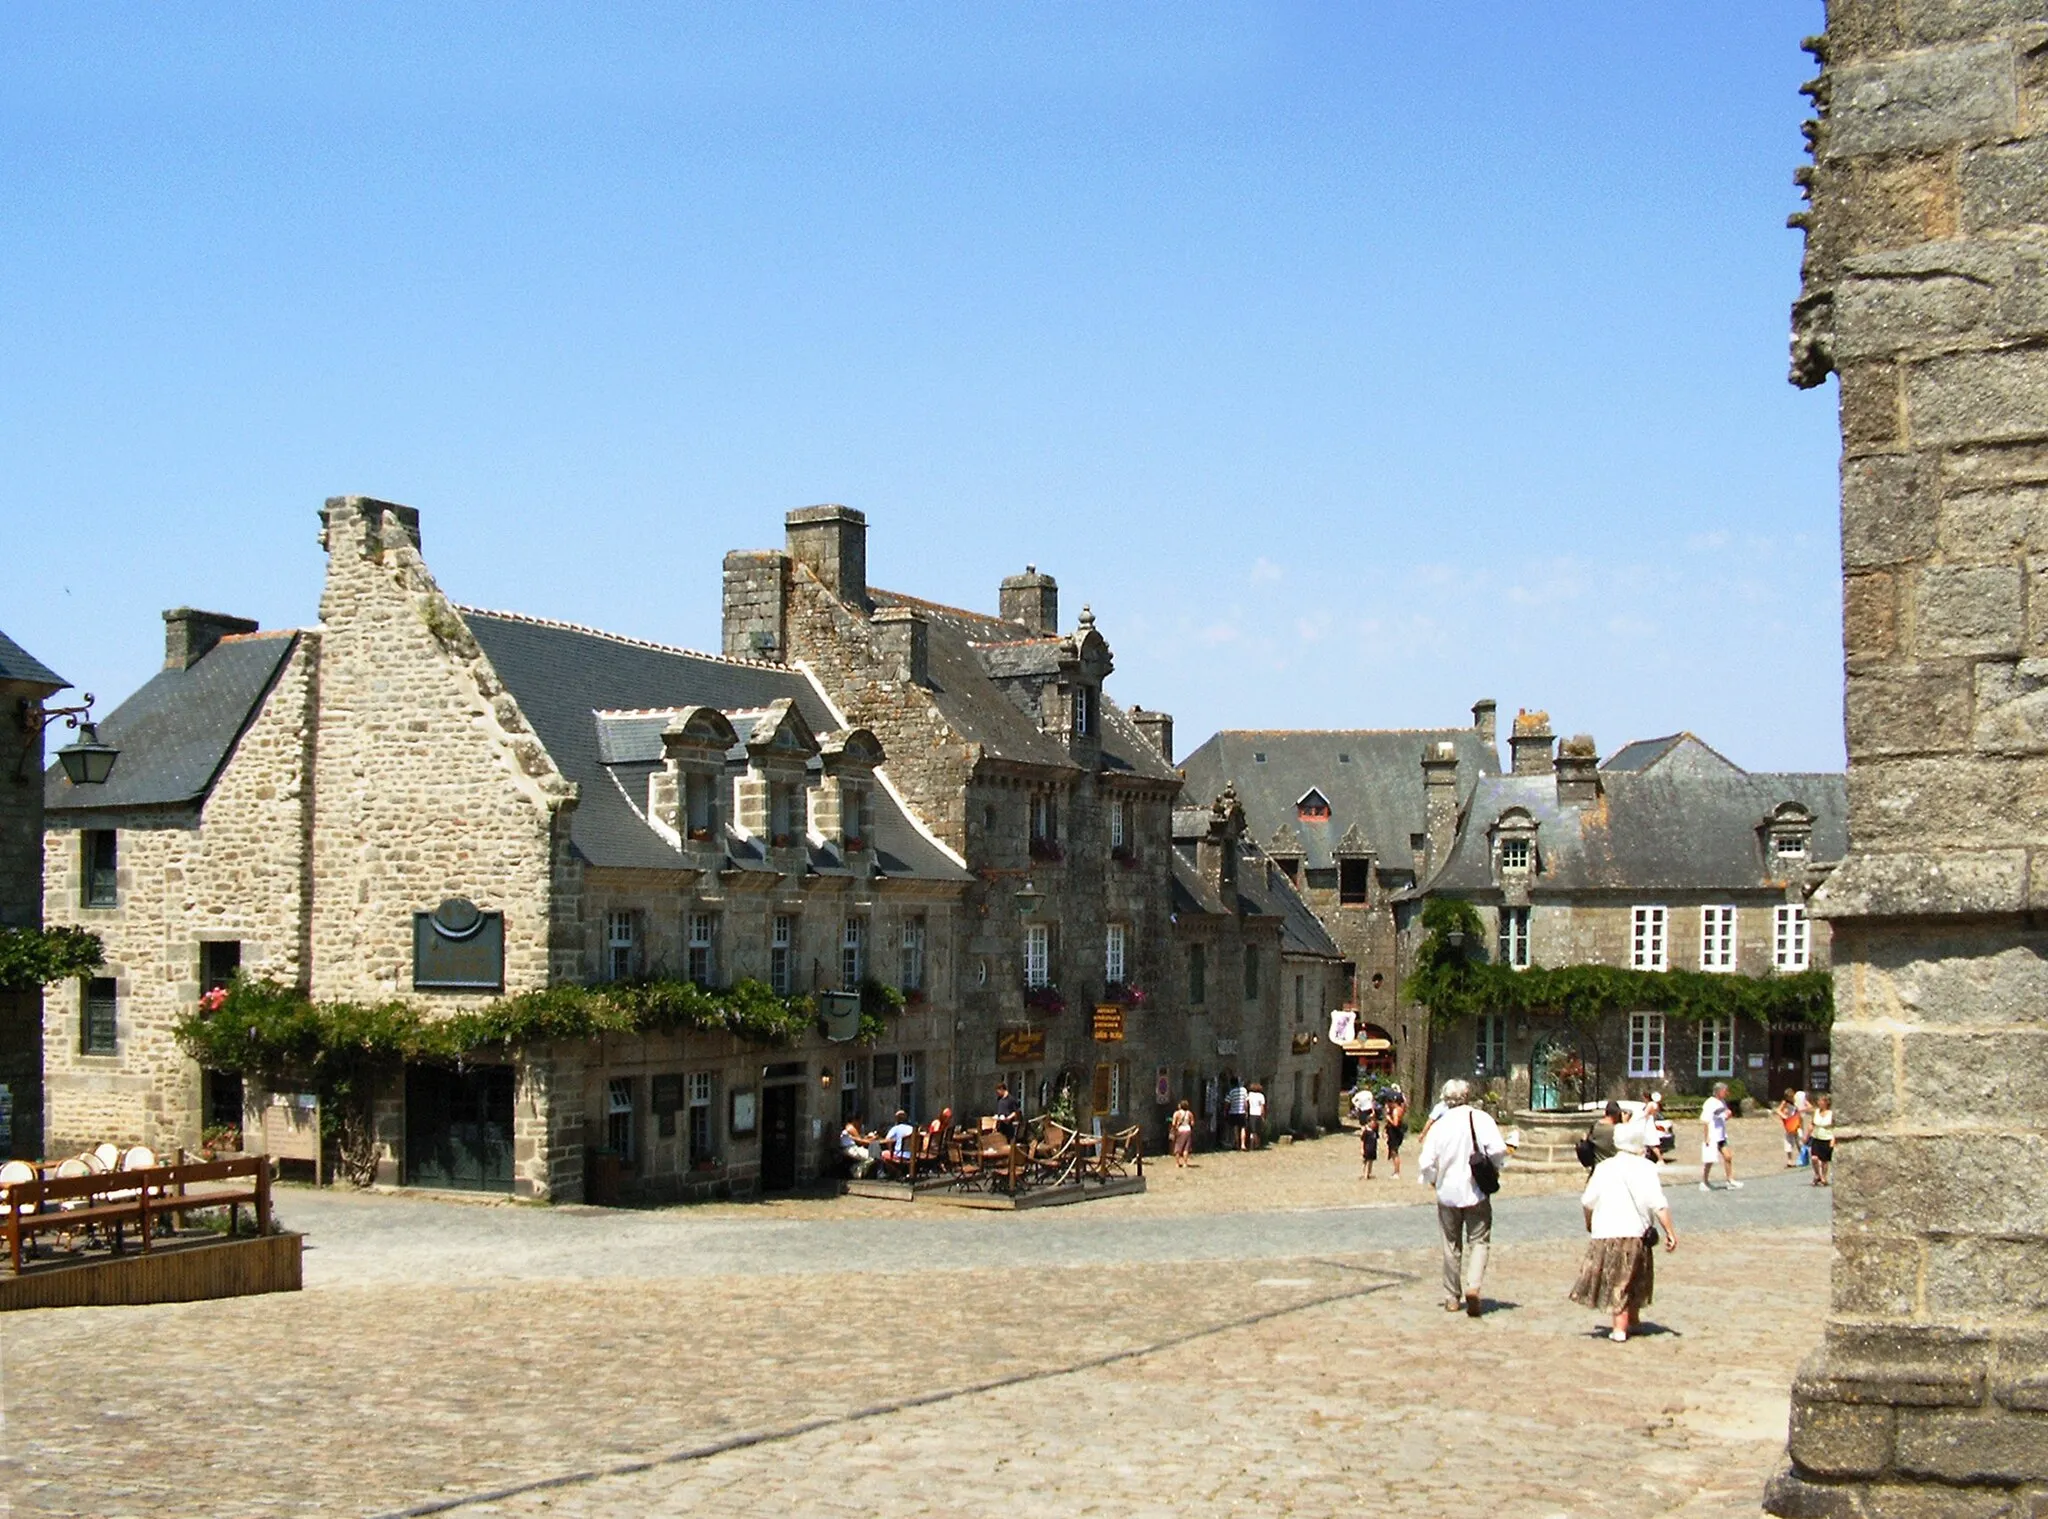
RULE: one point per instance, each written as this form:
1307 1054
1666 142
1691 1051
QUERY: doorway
778 1137
1788 1064
458 1128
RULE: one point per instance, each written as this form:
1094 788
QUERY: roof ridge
949 610
1341 732
624 638
258 633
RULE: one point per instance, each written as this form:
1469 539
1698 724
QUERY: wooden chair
10 1173
963 1151
1054 1156
1122 1153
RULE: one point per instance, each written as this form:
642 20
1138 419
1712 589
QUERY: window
906 1086
1037 955
885 1071
219 959
1717 938
1514 937
618 945
97 1032
1251 973
1198 974
703 948
1290 867
1790 937
785 814
849 1090
1490 1045
853 959
618 1118
1354 881
1515 852
910 972
1086 707
781 954
1045 826
1790 845
1646 1044
702 1147
1717 1045
102 888
1119 1085
1300 999
1647 942
701 792
1113 955
1119 825
1313 807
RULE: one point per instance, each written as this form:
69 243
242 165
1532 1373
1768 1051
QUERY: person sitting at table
853 1149
1009 1116
897 1143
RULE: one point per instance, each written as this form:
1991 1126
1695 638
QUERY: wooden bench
116 1199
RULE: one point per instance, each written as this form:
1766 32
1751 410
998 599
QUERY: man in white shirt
1255 1115
1714 1139
1463 1212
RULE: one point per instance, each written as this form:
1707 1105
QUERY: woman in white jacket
1623 1203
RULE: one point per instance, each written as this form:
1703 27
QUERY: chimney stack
189 633
833 542
1158 730
904 638
1440 801
1530 743
1217 852
756 611
1483 722
1578 772
1032 599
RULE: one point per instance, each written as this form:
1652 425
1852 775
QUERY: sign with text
1020 1046
1109 1023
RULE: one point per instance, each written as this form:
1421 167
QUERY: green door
458 1128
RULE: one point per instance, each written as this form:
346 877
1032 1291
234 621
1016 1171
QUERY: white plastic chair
140 1158
91 1162
109 1155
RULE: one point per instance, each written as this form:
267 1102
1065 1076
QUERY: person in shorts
1369 1138
1714 1139
1394 1126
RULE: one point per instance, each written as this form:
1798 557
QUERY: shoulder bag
1485 1174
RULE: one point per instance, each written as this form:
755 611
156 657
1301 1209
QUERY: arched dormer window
1788 833
1514 845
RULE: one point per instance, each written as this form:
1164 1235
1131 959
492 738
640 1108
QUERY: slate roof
1262 888
1378 789
1678 751
1667 827
16 663
564 676
178 730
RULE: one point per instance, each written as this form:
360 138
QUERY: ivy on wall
31 958
1452 985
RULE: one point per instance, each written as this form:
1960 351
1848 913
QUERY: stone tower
1926 293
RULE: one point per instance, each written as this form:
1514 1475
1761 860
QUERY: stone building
1666 857
421 801
25 682
1356 819
1925 291
1060 801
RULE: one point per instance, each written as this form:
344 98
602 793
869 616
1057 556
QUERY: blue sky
1354 363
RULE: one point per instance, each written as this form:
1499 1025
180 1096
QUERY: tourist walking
1461 1157
1234 1106
1255 1115
1369 1138
1623 1204
1651 1118
1822 1140
1790 1121
1395 1127
1182 1127
1714 1139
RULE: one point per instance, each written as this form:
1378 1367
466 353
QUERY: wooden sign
1109 1023
1020 1046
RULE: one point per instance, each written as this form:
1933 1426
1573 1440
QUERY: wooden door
778 1138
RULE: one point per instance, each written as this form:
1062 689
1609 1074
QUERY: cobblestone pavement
1173 1356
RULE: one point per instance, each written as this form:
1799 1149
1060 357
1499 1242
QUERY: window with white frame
618 1118
1514 937
1037 955
619 943
910 969
785 813
1717 1045
703 947
782 954
1113 954
1490 1045
1717 938
1649 938
1646 1044
1515 852
1791 937
1119 824
702 1134
853 958
849 1090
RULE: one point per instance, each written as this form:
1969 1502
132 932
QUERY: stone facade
24 684
1926 292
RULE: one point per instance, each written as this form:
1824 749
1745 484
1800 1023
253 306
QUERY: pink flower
214 1000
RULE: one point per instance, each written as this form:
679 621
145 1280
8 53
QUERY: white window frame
1114 943
703 948
1490 1045
1117 823
1650 938
620 1103
1646 1044
1717 937
1791 936
1517 851
911 958
620 935
1514 937
1119 1079
853 955
781 953
1717 1045
1037 955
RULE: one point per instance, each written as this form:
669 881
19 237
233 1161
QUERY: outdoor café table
1003 1154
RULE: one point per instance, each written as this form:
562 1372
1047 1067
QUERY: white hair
1629 1139
1457 1093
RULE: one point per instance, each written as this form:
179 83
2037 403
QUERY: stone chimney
189 633
1578 772
1216 854
1440 800
1483 724
1158 730
360 523
904 638
1034 600
756 611
833 542
1530 743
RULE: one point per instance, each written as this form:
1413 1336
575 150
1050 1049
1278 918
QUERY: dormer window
785 814
1087 710
1313 807
854 816
1789 832
1515 853
702 807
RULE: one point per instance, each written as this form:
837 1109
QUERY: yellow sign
1109 1023
1020 1046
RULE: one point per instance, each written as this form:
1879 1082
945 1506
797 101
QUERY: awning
1368 1046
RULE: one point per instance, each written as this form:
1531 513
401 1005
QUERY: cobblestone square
1262 1335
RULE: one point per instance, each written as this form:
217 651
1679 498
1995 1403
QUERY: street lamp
86 761
1028 897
